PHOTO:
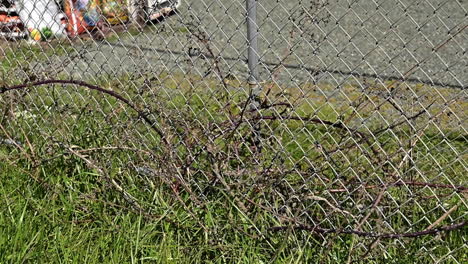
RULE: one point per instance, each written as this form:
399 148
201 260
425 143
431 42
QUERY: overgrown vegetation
173 168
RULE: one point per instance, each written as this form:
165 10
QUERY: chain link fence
330 130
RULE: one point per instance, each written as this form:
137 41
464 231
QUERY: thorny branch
325 231
456 188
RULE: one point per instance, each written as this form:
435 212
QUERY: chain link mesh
356 144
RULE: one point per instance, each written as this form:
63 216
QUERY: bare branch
325 231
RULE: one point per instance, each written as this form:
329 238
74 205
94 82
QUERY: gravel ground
379 39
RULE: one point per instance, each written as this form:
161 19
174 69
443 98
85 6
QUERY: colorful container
115 11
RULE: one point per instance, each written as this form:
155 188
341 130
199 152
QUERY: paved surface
371 38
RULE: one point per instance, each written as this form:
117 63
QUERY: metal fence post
252 37
253 63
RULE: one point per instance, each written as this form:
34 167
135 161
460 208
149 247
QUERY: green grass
16 56
57 208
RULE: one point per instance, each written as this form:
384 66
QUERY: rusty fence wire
335 125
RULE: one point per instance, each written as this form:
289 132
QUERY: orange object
83 15
9 19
